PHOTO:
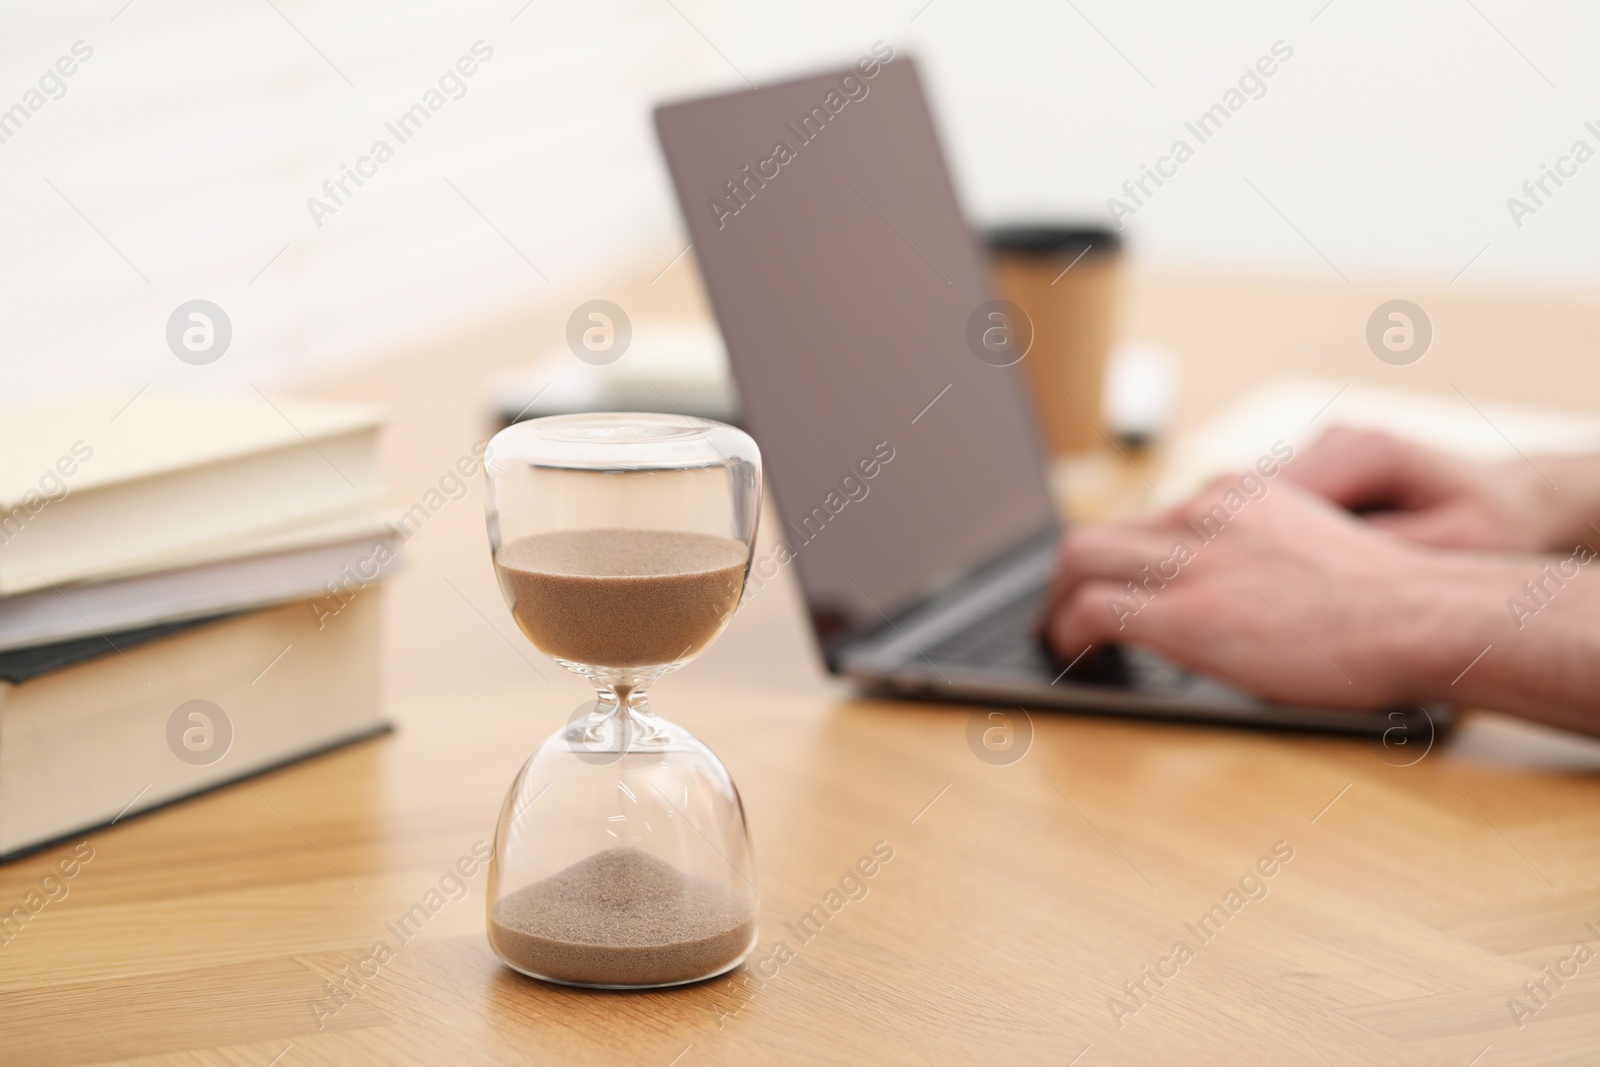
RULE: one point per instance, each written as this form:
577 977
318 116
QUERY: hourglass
622 543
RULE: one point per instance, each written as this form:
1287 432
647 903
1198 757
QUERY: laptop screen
845 281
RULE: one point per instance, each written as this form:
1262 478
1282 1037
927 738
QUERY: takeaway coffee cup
1066 279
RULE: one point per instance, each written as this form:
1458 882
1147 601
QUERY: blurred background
177 160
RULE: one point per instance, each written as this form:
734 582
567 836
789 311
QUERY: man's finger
1112 551
1440 528
1089 617
1359 469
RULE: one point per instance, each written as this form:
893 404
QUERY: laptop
906 471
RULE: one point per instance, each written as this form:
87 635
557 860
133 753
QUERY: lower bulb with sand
622 543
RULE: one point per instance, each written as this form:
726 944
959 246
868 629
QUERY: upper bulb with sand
622 543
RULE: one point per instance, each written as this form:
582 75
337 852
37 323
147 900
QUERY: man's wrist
1571 485
1452 609
1516 636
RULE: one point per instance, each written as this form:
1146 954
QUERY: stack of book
189 594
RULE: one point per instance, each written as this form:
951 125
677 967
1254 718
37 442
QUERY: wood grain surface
1413 893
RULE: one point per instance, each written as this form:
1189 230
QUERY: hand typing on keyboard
1288 597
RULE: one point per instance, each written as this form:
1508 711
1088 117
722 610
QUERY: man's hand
1282 596
1438 499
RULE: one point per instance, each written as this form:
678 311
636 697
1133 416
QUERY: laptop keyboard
1002 638
1005 640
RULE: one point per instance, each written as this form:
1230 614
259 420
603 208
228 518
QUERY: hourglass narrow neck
622 697
623 715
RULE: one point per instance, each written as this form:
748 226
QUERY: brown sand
622 917
622 598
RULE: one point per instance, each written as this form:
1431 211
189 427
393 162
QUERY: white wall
1391 139
191 140
179 163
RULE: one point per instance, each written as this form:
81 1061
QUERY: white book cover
99 485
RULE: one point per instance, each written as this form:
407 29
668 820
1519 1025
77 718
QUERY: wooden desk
1020 898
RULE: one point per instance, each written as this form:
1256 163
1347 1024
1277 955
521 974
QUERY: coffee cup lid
1051 239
